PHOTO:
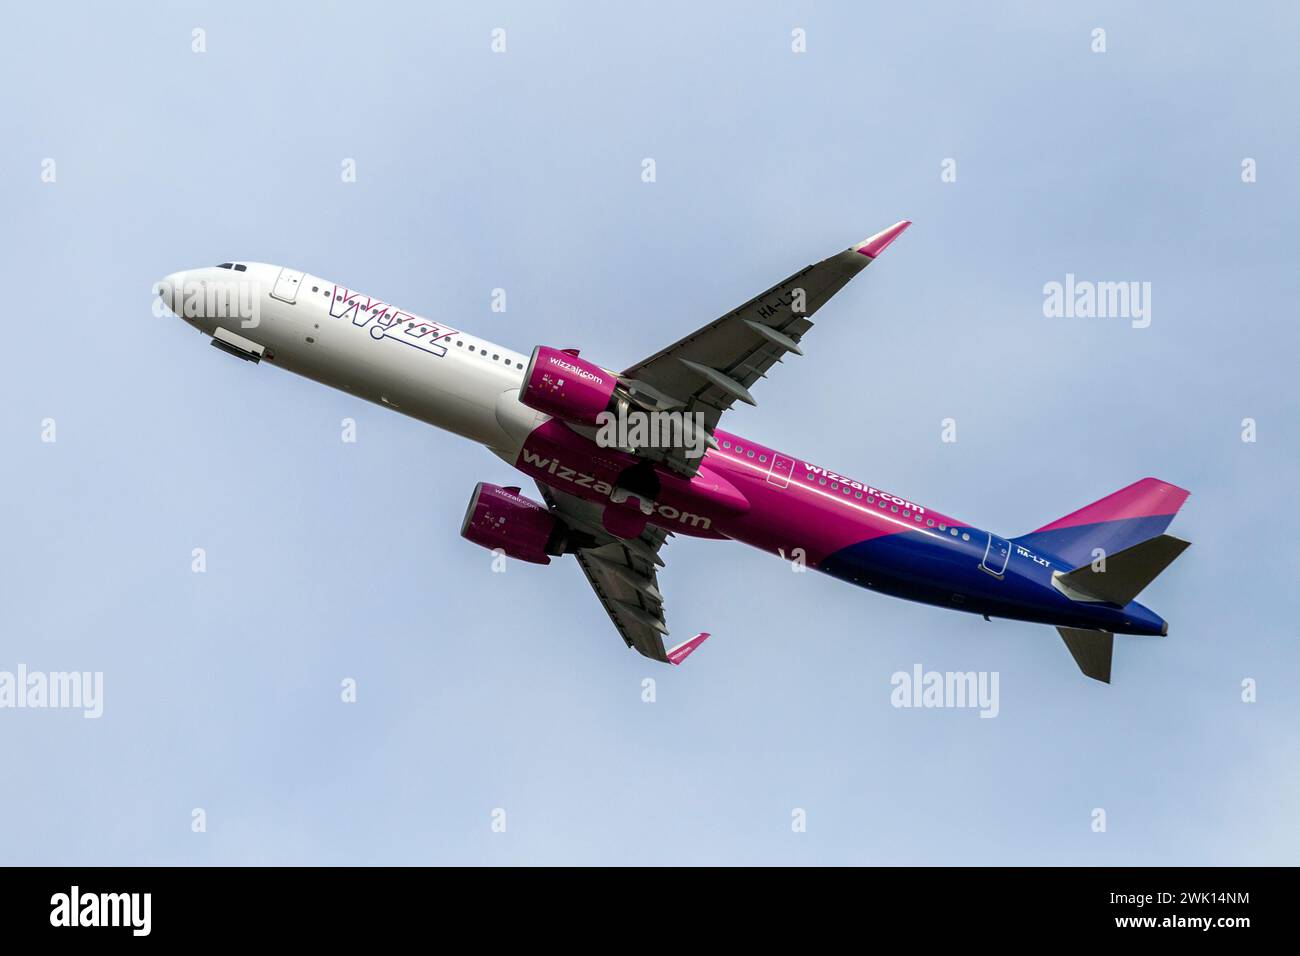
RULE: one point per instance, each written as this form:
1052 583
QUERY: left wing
713 368
622 572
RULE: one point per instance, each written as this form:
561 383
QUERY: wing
713 368
623 575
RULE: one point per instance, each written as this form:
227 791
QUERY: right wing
623 575
714 367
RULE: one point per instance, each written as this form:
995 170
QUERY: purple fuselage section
817 518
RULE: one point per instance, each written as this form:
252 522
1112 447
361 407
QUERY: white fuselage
361 345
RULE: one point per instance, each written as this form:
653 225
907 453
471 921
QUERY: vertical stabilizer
1129 516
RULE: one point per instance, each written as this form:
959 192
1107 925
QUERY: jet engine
564 386
522 528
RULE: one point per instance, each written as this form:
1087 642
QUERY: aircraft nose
170 289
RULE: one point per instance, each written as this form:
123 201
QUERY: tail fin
1125 574
1130 516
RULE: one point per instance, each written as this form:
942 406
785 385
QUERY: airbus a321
624 460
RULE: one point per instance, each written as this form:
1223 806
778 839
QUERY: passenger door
286 285
782 469
996 556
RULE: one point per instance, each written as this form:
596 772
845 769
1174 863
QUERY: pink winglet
684 649
876 244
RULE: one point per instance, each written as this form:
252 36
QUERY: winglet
684 649
875 245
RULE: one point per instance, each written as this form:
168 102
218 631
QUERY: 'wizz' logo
389 322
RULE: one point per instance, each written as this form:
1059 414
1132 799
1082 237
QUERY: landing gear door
996 556
286 285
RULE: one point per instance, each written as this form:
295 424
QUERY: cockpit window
237 266
240 267
226 265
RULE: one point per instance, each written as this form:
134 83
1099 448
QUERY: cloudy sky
521 170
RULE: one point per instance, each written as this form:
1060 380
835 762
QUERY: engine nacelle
567 387
502 518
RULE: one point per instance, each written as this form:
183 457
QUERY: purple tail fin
1118 521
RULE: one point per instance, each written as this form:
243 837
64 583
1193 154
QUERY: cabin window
953 532
965 536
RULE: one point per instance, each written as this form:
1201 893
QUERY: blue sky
476 691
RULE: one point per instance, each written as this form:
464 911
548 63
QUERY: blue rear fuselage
961 572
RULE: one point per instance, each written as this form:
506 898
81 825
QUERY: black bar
205 905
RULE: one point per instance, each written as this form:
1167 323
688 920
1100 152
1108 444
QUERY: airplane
612 499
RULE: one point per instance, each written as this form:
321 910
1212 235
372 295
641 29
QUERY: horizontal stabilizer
1091 651
1126 572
